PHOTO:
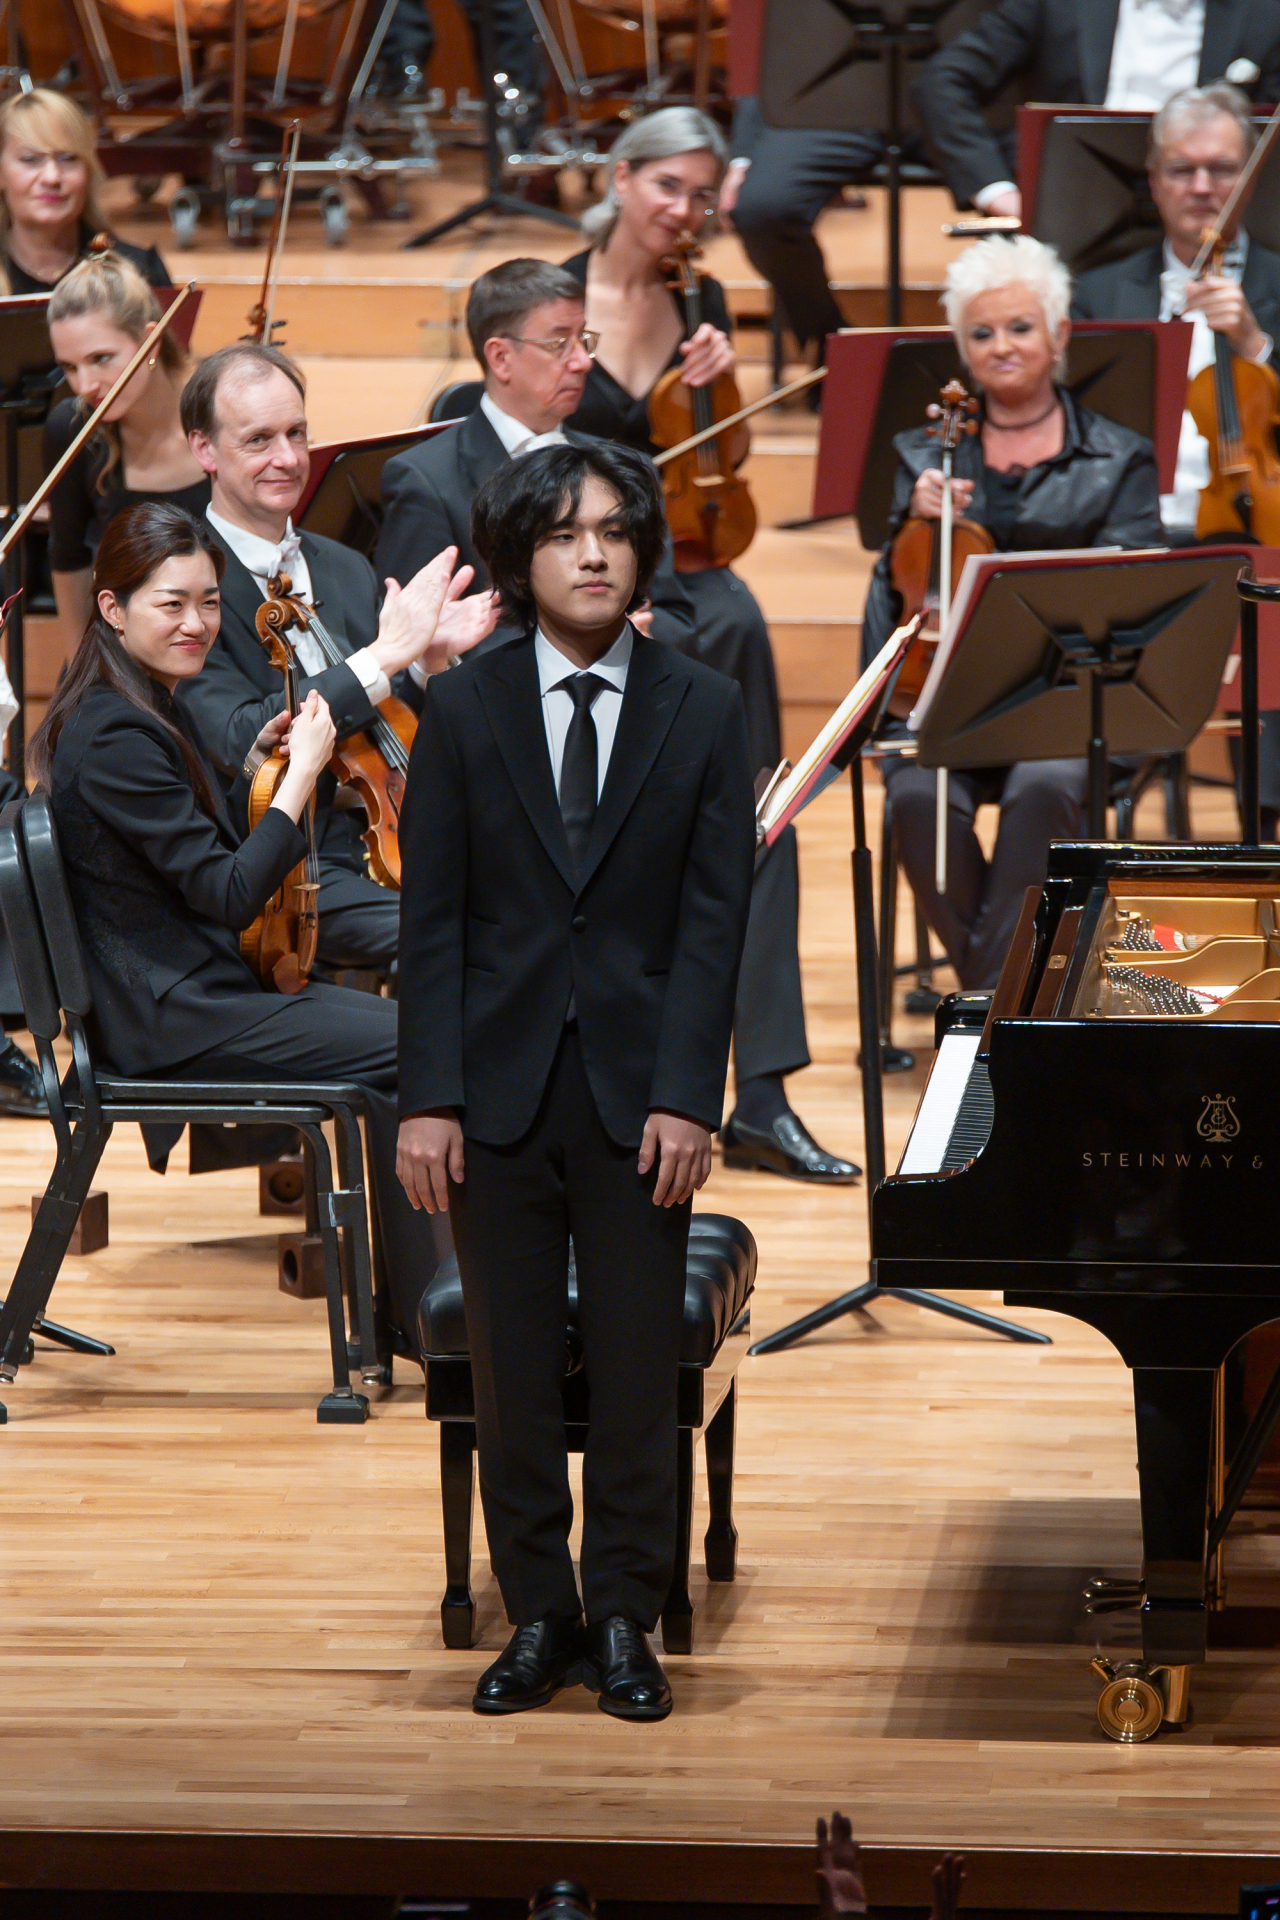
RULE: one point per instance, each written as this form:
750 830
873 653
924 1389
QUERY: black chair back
36 984
457 401
61 937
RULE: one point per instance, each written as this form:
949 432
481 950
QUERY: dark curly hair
520 504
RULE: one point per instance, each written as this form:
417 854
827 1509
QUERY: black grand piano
1101 1137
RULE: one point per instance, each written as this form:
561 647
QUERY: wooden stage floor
221 1662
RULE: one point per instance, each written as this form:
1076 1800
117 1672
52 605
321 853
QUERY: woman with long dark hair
162 884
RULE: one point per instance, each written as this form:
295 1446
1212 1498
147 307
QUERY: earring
151 362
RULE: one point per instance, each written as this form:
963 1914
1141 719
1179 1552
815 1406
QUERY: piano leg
1174 1409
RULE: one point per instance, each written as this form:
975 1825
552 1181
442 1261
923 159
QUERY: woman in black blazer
163 886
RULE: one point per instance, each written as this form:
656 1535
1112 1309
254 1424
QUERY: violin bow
1213 234
262 316
51 479
769 399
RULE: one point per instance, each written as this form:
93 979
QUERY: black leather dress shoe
535 1663
21 1088
621 1667
787 1148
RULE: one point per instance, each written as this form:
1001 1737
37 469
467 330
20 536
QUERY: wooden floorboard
221 1662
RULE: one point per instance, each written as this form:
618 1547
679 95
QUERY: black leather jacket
1100 491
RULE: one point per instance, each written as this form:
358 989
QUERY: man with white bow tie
244 411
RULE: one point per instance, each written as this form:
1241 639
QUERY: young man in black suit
1130 54
578 845
244 412
526 323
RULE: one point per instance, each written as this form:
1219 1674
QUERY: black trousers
1039 800
768 1026
793 174
330 1033
359 920
513 1217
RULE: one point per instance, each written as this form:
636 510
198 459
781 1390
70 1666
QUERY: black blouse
607 409
145 259
79 511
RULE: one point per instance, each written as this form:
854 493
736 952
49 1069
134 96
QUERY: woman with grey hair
1042 472
664 178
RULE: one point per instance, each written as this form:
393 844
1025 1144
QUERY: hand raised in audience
840 1888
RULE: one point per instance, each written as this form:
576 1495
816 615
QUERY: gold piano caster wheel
1136 1700
1131 1704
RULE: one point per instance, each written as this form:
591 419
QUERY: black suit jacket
1130 290
497 929
161 890
427 496
239 690
1062 49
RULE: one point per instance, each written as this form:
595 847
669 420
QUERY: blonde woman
50 181
98 315
1042 472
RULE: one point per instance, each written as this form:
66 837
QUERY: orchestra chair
1129 782
84 1107
720 1276
455 402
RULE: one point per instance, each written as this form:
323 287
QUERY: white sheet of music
936 1114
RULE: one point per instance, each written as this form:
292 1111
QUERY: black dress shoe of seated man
787 1148
535 1663
21 1088
622 1668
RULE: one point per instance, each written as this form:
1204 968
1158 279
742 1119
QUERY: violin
709 508
374 761
1235 404
280 946
927 556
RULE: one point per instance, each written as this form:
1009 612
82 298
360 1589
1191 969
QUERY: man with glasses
525 323
1199 144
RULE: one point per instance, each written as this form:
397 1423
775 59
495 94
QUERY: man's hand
1225 308
642 619
683 1151
463 623
926 495
407 622
730 188
429 1155
840 1888
948 1878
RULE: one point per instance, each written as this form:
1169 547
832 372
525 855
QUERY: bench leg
720 1542
458 1498
677 1615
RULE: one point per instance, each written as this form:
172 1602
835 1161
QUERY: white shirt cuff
370 675
985 195
1269 346
418 673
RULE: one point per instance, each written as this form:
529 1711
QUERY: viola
1235 404
280 945
709 508
374 761
927 556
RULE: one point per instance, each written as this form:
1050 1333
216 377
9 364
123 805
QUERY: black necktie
580 768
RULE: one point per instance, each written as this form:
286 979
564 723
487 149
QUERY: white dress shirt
514 435
1179 508
557 706
1155 54
262 558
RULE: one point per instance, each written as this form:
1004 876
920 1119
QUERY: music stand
343 495
880 380
1054 656
846 733
28 382
1082 173
827 66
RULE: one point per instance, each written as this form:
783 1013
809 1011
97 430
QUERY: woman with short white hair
1041 472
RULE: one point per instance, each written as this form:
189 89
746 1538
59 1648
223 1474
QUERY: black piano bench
721 1273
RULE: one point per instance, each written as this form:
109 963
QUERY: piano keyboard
953 1122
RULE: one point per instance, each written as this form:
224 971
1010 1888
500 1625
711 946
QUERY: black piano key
973 1121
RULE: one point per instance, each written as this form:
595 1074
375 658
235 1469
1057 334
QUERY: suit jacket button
579 922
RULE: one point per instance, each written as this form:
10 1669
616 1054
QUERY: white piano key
936 1114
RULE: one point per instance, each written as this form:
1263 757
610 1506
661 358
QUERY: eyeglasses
1182 172
561 345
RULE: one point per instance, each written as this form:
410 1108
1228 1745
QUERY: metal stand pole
864 933
893 163
15 578
494 199
1250 804
1097 758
